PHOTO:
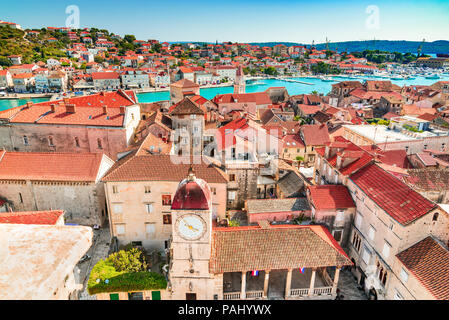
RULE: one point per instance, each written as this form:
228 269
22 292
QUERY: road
99 250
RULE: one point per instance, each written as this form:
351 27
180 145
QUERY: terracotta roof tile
428 261
275 247
161 168
31 217
397 199
325 197
50 166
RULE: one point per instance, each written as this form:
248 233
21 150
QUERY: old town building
32 181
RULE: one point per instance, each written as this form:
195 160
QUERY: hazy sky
245 21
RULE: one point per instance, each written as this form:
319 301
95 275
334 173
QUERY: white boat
326 79
433 76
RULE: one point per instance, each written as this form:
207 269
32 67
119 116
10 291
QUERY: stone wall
83 202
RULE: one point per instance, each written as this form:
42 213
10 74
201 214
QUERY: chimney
53 107
70 108
105 109
122 110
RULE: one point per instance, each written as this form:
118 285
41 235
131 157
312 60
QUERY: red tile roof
326 197
308 109
392 195
51 166
31 217
315 134
105 75
236 249
260 98
88 111
161 168
428 261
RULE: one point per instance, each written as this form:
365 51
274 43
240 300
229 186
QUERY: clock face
191 227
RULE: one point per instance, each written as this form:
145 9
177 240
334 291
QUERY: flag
255 273
301 270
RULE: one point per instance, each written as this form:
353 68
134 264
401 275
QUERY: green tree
130 260
129 38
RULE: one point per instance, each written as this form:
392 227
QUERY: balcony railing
316 292
254 294
231 296
299 292
322 291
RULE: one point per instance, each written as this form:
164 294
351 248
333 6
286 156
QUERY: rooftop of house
50 166
86 110
161 168
315 134
36 259
428 179
396 198
330 197
49 217
267 247
428 261
277 205
381 134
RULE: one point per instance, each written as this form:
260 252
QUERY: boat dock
294 80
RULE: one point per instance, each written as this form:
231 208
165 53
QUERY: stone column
288 283
243 286
334 285
265 283
312 282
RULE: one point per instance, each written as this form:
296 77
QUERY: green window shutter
113 296
155 295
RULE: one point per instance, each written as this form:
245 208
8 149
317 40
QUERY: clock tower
190 248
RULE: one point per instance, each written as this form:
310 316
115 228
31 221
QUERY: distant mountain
440 46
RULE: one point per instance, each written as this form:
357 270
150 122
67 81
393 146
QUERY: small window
166 218
231 195
150 228
147 189
50 141
386 249
232 177
135 295
118 208
371 232
337 235
20 198
114 189
166 200
404 275
193 116
358 220
25 140
214 191
77 142
149 208
100 145
397 295
120 229
435 216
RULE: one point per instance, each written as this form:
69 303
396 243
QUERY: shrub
124 271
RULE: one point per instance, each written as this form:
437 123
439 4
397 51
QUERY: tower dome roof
192 194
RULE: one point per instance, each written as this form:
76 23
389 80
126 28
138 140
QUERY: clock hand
190 227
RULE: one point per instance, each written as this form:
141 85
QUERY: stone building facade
46 181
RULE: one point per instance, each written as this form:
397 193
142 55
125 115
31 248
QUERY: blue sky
245 20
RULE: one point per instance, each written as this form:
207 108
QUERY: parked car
85 258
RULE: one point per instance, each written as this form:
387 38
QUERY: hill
14 42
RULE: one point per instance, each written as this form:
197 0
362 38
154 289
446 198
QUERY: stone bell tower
239 84
190 249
